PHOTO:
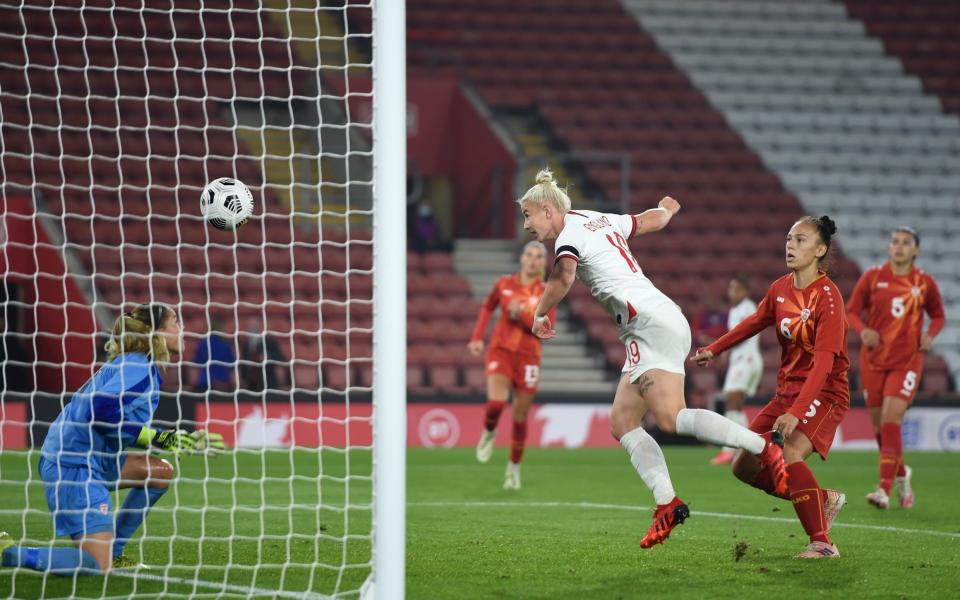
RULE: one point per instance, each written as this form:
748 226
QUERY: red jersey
509 334
895 305
809 322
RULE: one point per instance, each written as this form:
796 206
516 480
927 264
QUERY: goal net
115 114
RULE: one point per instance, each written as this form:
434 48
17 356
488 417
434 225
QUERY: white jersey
598 242
750 347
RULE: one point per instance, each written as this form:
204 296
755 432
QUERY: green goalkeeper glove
177 441
180 441
206 442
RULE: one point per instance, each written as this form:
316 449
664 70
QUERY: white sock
738 417
708 426
647 459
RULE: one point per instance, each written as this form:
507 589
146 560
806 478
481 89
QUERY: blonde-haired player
745 366
592 246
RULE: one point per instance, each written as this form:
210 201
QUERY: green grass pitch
571 532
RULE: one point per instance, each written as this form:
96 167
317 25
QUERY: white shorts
743 375
660 340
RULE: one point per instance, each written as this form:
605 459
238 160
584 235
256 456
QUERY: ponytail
135 331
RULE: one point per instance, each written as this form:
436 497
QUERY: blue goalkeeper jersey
105 416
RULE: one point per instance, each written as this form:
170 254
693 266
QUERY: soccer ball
226 203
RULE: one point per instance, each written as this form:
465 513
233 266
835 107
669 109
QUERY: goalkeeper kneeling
84 457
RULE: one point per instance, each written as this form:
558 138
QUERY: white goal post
389 299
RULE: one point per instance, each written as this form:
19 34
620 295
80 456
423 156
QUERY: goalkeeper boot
665 518
832 505
904 489
125 562
511 480
772 458
819 550
879 499
485 446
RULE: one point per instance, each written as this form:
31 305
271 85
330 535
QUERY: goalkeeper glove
179 441
207 442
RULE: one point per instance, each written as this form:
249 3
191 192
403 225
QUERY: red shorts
523 370
899 383
820 427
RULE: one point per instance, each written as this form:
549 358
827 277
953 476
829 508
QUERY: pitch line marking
718 515
222 586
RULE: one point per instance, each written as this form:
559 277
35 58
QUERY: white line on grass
699 513
222 586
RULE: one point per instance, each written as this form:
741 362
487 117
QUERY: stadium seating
845 126
924 35
119 156
600 82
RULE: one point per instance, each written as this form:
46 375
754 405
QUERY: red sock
808 498
764 481
494 408
518 441
901 470
891 454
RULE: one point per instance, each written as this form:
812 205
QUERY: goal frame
387 578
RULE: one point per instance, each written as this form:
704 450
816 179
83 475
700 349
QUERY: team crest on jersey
915 292
493 364
104 508
805 314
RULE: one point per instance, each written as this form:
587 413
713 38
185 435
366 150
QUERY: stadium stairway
569 366
840 122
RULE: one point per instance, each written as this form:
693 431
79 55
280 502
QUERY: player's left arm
558 285
655 219
934 308
830 341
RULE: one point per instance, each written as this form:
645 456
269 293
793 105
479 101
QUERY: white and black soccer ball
226 203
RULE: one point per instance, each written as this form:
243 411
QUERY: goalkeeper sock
764 481
708 426
493 410
56 559
134 510
891 454
648 460
807 498
518 441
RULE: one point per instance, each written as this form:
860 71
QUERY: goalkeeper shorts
79 499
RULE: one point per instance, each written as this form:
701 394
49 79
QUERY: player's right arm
750 326
860 300
486 311
655 219
562 276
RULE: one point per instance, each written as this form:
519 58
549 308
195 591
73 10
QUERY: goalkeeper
85 455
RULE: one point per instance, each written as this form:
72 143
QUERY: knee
621 426
745 467
666 420
160 474
792 455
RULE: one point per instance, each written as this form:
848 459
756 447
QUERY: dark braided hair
826 228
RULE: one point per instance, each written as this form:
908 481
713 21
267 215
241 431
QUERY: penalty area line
219 586
695 513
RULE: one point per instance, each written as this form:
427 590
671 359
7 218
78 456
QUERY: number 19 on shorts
633 353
